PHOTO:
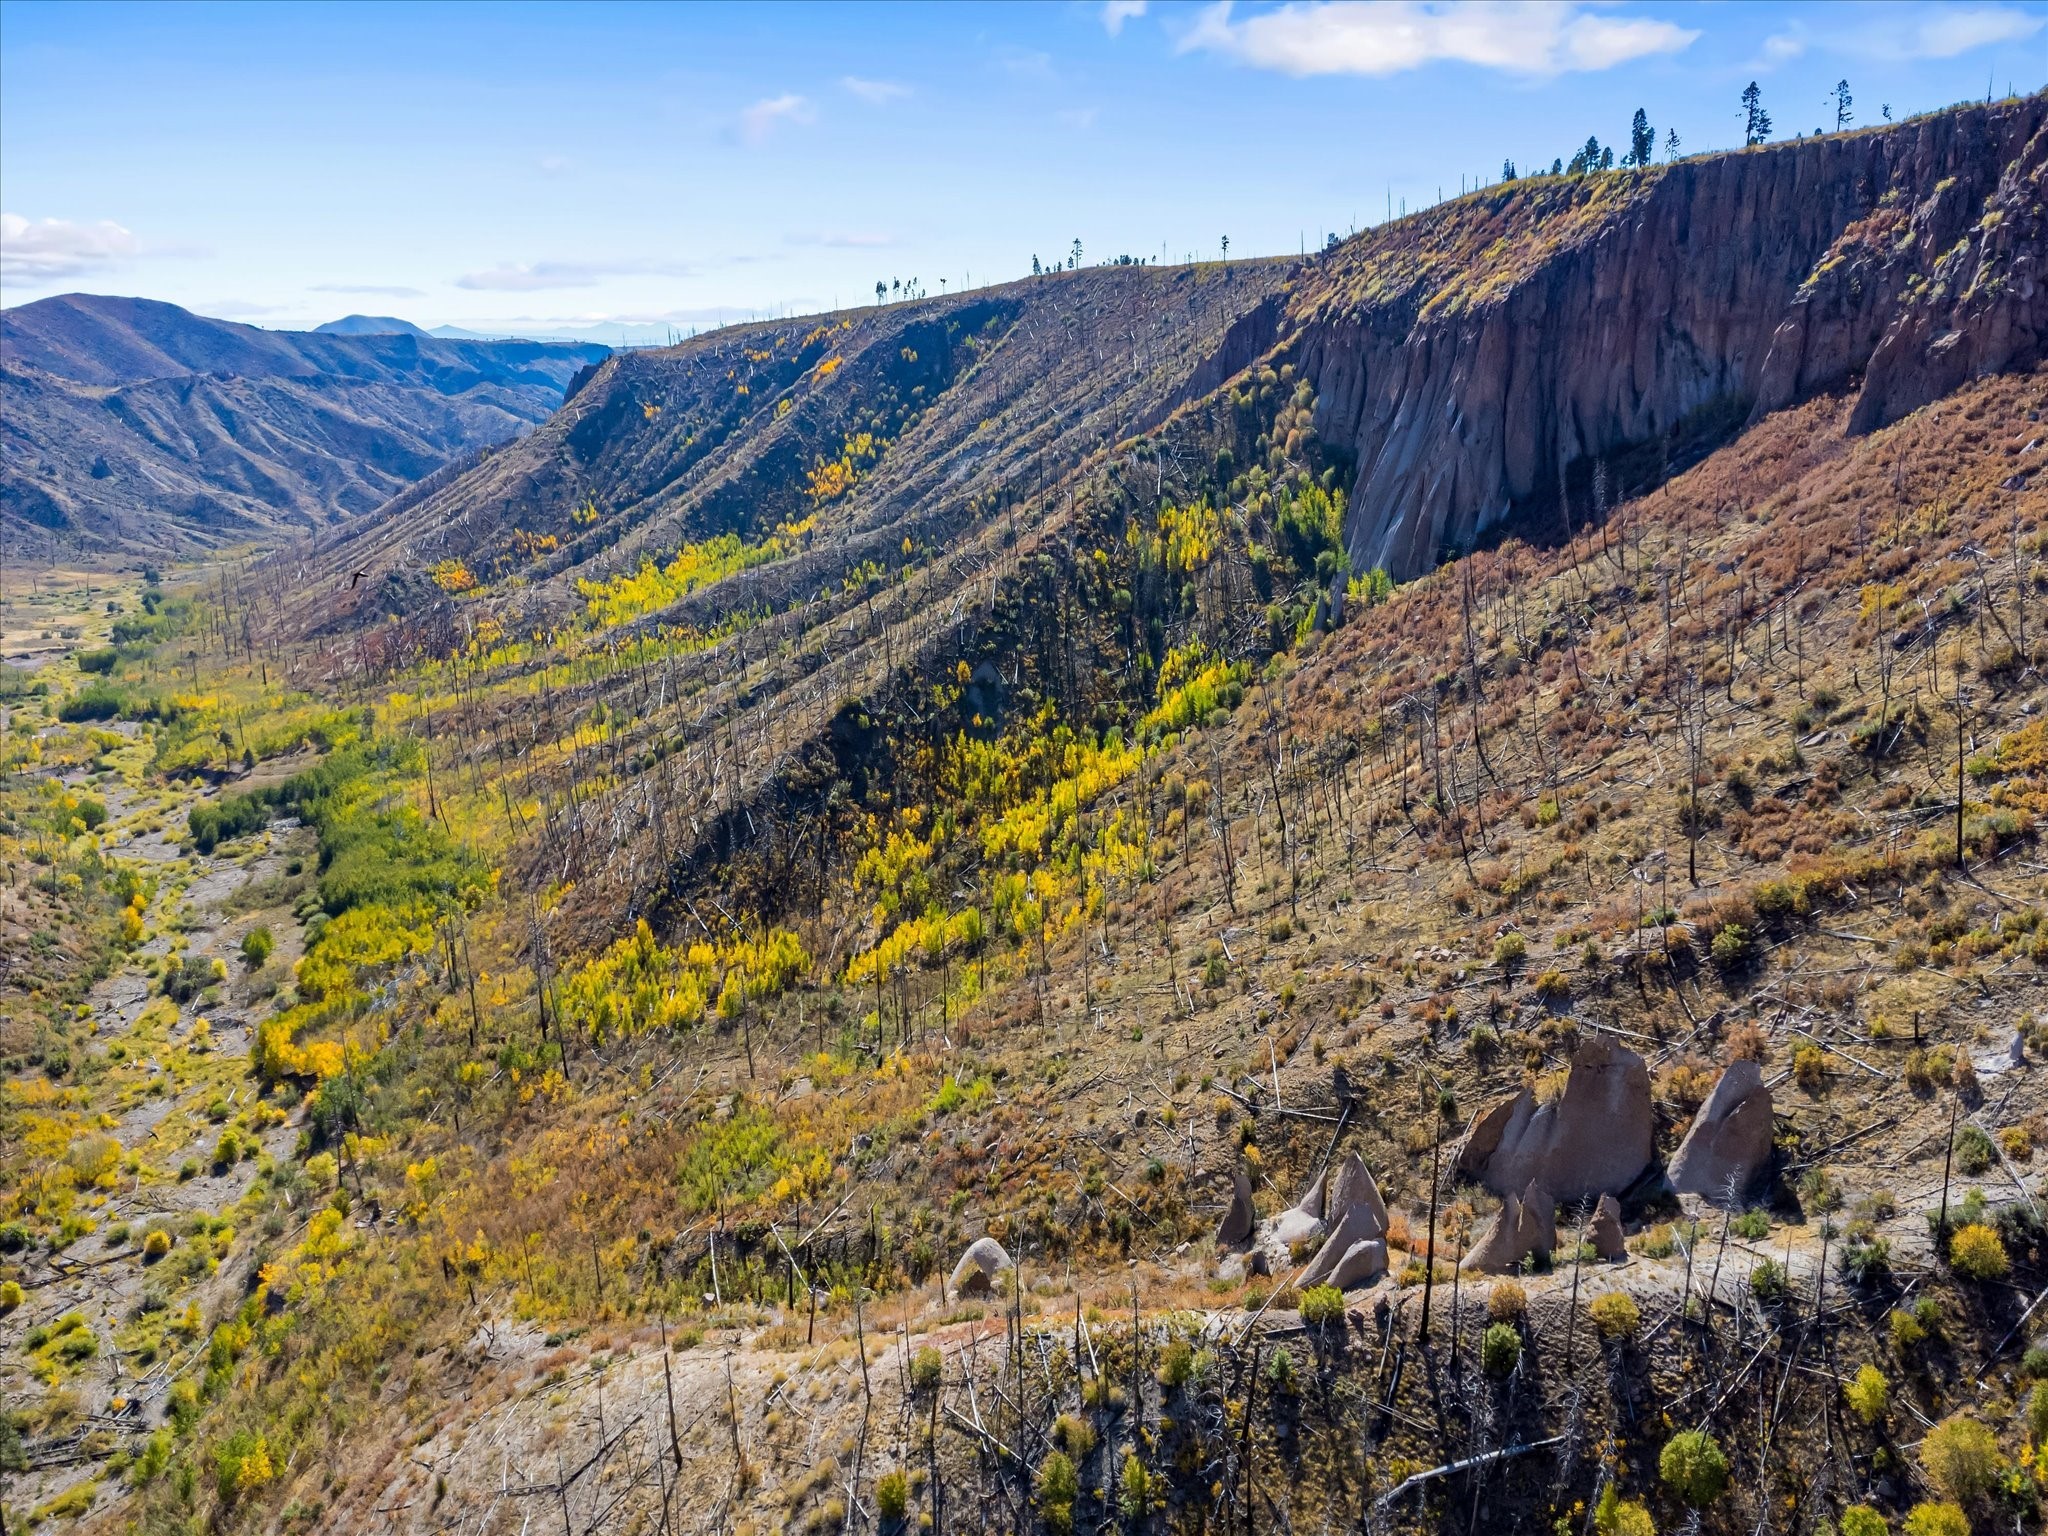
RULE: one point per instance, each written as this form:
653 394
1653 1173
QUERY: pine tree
1607 158
1756 125
1671 145
1557 167
1507 170
1642 140
881 291
1843 101
1074 260
1035 270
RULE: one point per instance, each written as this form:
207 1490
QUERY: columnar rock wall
1736 281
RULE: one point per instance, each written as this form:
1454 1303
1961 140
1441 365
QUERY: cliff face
1603 319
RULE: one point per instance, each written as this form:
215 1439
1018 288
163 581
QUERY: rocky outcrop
1355 1264
1353 1216
1595 1138
975 1274
1304 1219
1624 310
1236 1225
1605 1232
1729 1142
1981 306
1525 1224
1354 1198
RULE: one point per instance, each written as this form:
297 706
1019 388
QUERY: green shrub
927 1369
1693 1467
256 947
1321 1304
1960 1457
1509 950
1500 1350
1752 1225
892 1495
1937 1520
1059 1486
1869 1395
1134 1493
1177 1363
1074 1435
1615 1314
1862 1520
2037 1415
1976 1253
1974 1151
1767 1282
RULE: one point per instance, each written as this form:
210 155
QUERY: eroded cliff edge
1469 363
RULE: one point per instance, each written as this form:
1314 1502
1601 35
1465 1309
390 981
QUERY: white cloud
1900 34
1078 117
1026 63
876 93
1353 37
47 250
377 290
537 276
1116 12
554 165
1782 47
765 116
1941 32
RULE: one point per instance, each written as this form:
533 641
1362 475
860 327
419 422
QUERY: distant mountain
369 325
607 333
131 424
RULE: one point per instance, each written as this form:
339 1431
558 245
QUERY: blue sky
531 167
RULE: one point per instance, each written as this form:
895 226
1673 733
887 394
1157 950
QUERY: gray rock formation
976 1272
1594 1139
1304 1219
1463 390
1604 1232
1729 1143
1237 1221
1358 1263
1353 1192
1525 1224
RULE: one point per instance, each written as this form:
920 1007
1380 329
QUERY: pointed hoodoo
1729 1143
1355 1249
1605 1232
1595 1138
1526 1224
1304 1219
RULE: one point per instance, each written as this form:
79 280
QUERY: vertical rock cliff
1468 358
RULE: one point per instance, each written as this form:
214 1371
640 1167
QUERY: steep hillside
137 425
879 923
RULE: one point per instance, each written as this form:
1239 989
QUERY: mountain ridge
134 424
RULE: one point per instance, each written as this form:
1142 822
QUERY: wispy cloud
1937 31
761 120
1026 63
1350 37
554 165
1116 12
375 290
1900 34
876 93
841 240
1077 117
537 276
48 250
